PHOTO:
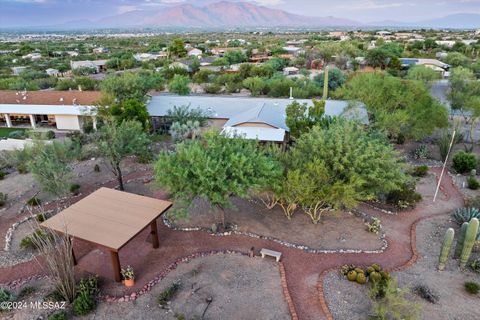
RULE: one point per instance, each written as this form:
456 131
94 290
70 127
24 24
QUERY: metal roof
246 109
255 133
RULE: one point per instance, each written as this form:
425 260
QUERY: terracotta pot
129 282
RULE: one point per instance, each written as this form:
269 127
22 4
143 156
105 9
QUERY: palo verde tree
50 165
338 166
301 117
116 141
215 168
395 106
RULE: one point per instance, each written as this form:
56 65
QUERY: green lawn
4 132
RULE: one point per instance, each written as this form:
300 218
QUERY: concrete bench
267 252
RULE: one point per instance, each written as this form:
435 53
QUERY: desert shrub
74 188
89 285
25 292
472 287
61 315
41 217
29 242
54 296
2 175
167 294
421 152
33 202
465 214
212 88
389 301
96 168
373 226
473 202
476 265
18 134
50 134
420 171
473 183
3 199
22 168
404 197
426 293
464 162
6 295
83 304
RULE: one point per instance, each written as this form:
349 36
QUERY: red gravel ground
302 269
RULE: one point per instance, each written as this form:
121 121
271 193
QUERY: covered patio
110 219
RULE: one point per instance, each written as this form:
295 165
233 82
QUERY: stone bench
267 252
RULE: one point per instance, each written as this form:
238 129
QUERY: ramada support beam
154 233
116 266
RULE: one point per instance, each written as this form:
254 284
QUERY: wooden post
154 233
73 253
116 266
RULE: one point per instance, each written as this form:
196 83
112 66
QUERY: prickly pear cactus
470 236
446 245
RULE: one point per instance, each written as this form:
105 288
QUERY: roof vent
61 99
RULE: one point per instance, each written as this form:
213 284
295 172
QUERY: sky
51 12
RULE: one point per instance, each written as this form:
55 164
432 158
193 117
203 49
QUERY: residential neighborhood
239 160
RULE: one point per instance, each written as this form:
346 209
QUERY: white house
294 50
62 110
33 56
98 65
289 71
52 72
17 70
194 52
141 57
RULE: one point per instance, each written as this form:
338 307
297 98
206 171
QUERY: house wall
254 124
68 122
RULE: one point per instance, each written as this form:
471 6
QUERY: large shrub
464 162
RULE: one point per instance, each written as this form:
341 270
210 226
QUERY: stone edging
321 295
287 244
286 293
15 284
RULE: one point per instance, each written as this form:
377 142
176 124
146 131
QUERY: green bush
61 315
2 175
212 88
374 225
6 295
167 294
19 134
41 217
54 296
464 162
83 304
25 292
22 168
28 242
89 285
421 152
3 199
50 134
473 183
420 171
476 265
405 197
75 188
33 202
472 287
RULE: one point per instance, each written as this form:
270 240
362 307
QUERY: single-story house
62 110
98 65
288 71
295 51
194 52
253 118
17 70
52 72
100 50
32 56
141 57
434 64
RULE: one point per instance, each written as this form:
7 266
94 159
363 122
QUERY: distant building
141 57
72 53
17 70
289 71
100 50
295 51
434 64
33 56
98 65
194 52
52 72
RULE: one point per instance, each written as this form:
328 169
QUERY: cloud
126 8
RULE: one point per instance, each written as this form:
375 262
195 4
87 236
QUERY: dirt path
302 269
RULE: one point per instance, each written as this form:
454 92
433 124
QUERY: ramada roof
85 98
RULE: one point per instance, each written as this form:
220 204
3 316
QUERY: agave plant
465 214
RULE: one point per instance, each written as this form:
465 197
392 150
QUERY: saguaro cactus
470 236
446 245
460 240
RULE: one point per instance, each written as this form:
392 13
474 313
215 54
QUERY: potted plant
128 276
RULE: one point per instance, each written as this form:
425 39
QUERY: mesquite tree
118 140
215 168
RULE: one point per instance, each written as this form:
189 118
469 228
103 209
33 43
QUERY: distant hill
453 21
219 14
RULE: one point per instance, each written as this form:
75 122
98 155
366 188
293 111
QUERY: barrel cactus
470 237
446 245
361 278
375 276
462 215
352 275
460 240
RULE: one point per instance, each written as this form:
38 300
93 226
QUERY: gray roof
245 109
